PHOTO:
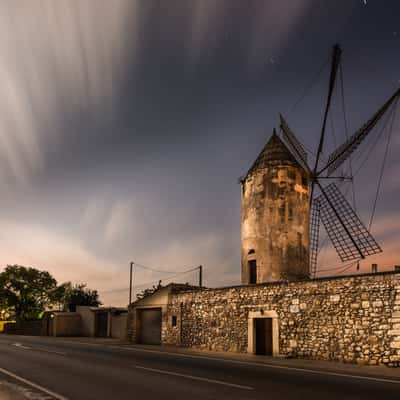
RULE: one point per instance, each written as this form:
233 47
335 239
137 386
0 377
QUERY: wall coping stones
395 274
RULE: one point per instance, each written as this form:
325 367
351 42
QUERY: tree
26 291
77 295
149 291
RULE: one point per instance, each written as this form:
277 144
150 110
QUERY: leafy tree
77 295
149 291
26 291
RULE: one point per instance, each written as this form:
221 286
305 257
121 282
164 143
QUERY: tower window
251 252
282 213
291 175
252 271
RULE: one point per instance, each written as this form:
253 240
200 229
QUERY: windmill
349 236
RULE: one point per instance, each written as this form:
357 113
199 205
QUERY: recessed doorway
263 333
263 328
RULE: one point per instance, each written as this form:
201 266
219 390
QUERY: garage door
150 326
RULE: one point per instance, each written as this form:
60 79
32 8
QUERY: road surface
64 370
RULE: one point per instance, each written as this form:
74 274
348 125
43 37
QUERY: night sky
125 125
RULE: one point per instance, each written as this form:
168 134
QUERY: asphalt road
73 371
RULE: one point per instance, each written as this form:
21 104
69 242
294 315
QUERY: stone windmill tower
281 192
275 216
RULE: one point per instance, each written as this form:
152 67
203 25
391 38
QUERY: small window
304 181
290 216
174 320
252 272
282 213
299 239
291 175
251 251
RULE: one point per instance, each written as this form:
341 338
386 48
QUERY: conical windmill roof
274 153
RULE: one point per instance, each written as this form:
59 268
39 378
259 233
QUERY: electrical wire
154 269
341 266
151 282
346 268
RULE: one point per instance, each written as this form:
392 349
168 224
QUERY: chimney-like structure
275 217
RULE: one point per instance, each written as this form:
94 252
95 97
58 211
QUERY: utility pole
130 282
200 275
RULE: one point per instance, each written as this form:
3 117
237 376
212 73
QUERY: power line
150 282
154 269
347 267
338 267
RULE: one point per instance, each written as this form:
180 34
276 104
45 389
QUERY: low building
103 321
148 317
348 318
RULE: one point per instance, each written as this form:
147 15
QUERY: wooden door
150 326
263 327
101 324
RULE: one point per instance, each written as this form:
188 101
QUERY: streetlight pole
130 282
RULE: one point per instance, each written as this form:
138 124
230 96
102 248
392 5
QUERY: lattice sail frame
357 235
293 143
314 236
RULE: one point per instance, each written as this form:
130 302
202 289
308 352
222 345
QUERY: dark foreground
86 371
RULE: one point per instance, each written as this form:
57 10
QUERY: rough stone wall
351 319
275 221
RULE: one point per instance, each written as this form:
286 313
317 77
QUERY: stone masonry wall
351 319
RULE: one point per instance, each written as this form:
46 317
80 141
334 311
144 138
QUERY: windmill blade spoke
293 143
343 152
347 233
314 236
336 55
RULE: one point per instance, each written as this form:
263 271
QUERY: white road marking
32 384
248 363
266 365
21 346
60 353
197 378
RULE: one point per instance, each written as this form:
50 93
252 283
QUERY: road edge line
32 384
266 365
193 377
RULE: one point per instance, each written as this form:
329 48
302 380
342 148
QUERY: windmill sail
343 152
293 143
314 236
347 233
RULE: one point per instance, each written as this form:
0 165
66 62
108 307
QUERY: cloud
119 220
54 56
64 257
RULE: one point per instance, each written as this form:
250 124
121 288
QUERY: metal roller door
150 326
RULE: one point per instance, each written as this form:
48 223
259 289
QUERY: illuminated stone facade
275 217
